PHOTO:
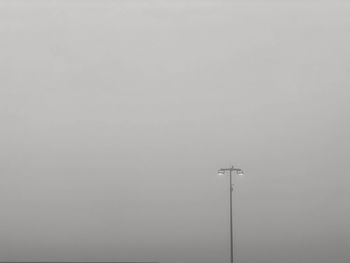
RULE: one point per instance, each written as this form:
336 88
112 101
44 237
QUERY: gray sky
115 116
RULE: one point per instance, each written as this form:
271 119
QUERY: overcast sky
115 116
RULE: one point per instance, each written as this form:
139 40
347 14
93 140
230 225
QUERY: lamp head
221 172
240 172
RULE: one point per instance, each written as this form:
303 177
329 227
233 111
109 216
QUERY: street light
240 172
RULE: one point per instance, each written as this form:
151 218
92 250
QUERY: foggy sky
115 116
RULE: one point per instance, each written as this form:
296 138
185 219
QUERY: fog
116 115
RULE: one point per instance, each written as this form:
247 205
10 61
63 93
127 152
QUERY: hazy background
115 116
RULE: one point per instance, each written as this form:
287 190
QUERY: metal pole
231 224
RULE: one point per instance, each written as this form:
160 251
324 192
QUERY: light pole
238 171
